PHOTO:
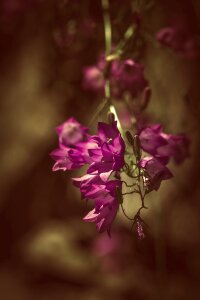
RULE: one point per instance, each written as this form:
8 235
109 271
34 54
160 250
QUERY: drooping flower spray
140 153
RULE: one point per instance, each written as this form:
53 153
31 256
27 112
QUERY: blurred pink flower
180 41
125 77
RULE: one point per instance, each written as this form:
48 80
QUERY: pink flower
104 152
71 132
161 145
103 216
86 182
103 192
74 143
180 41
93 77
109 155
70 158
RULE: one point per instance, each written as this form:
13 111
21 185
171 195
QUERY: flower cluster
125 76
142 154
107 156
104 153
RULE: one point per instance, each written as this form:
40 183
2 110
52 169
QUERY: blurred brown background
46 251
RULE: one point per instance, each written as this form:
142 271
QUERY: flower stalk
142 154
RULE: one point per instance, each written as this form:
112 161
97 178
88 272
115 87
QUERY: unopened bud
111 118
145 98
130 138
119 195
117 175
137 147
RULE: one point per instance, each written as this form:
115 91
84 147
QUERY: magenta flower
161 145
86 182
151 139
106 204
109 155
154 172
103 217
72 158
105 193
71 132
180 41
63 160
74 143
102 191
104 152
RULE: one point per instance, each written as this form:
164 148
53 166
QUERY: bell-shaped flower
103 216
161 145
72 158
71 132
154 172
106 204
109 155
87 181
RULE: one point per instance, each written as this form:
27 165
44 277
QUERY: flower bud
145 98
137 147
129 138
111 118
119 195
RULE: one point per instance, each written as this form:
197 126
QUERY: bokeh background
46 251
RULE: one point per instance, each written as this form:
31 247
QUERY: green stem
107 26
127 35
108 47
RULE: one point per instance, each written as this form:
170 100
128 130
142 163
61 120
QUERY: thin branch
131 219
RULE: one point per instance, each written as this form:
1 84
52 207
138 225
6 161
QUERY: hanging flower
161 145
106 204
154 172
